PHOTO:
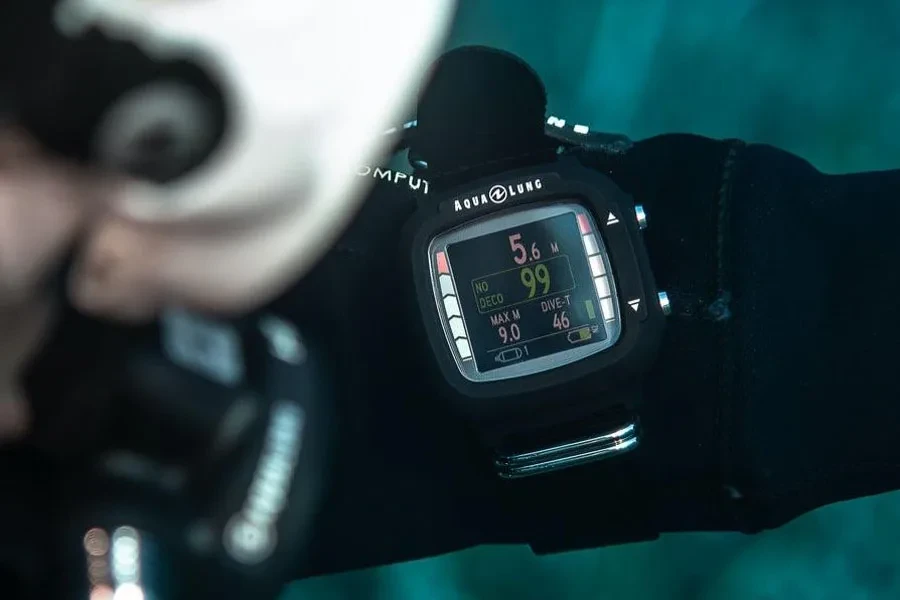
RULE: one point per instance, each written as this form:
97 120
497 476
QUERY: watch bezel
641 333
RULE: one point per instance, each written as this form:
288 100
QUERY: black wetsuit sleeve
775 391
814 413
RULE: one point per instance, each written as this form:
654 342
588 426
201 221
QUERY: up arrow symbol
612 219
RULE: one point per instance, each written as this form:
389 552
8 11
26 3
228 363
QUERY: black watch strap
604 503
577 482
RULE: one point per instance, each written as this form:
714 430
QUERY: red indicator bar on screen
584 224
442 266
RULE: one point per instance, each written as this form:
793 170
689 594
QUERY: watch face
524 292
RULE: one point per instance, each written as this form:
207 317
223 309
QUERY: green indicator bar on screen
589 304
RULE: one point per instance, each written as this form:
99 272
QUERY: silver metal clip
570 454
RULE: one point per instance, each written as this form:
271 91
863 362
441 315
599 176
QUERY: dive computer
537 299
533 284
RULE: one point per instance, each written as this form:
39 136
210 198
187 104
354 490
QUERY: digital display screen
535 289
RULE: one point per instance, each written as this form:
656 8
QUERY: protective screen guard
524 292
522 241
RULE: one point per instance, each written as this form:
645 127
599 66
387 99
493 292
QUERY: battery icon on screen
579 335
509 355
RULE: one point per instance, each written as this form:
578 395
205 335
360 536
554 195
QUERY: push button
664 303
641 216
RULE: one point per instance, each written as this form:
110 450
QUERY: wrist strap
577 483
585 507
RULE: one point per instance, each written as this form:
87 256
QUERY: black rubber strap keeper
572 508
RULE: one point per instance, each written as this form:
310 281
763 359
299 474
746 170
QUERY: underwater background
818 78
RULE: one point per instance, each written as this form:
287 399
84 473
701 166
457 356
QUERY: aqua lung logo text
497 194
417 184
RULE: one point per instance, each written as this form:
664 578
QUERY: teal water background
821 79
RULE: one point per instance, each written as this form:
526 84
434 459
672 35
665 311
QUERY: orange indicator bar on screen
442 266
583 224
